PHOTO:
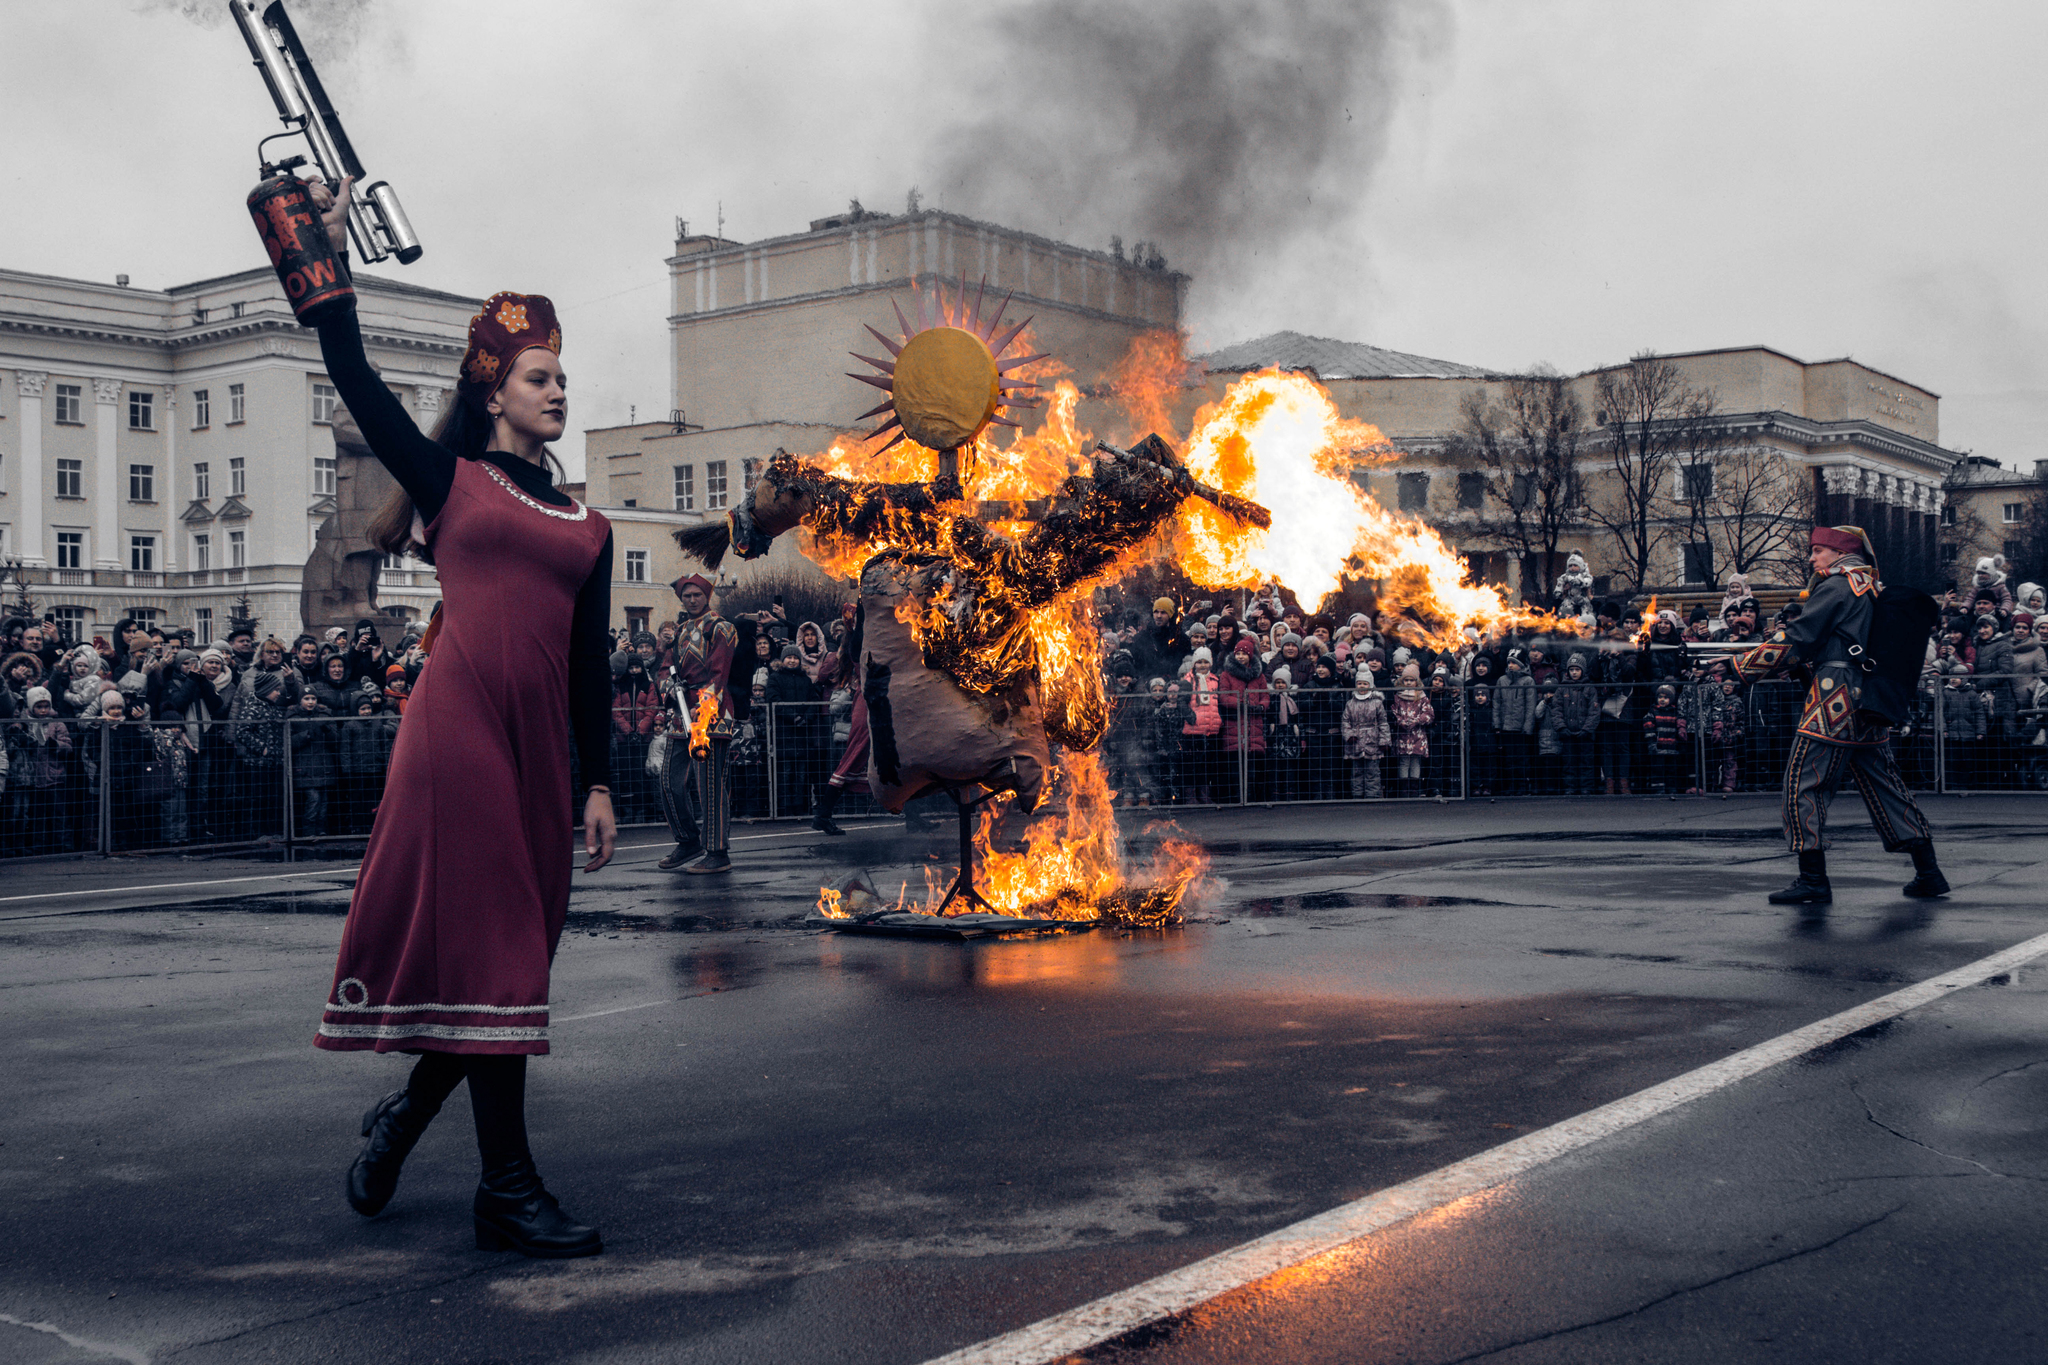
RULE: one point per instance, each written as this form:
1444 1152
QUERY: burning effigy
976 561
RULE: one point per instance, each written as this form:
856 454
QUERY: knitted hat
2023 617
760 677
790 651
1164 604
36 694
1202 656
1245 646
1283 674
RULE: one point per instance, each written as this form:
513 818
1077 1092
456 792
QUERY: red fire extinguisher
314 279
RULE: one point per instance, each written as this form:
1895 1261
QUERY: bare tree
1961 524
2033 565
24 602
1526 448
1652 422
1754 509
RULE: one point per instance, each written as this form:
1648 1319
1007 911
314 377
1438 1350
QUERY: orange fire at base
700 724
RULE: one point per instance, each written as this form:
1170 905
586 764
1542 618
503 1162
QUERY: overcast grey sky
1498 182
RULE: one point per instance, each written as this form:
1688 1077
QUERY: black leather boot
1927 880
821 814
682 854
392 1126
513 1209
1810 887
710 862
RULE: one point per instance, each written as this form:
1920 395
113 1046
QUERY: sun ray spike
979 295
1022 361
881 382
901 321
1006 422
895 347
889 425
997 320
1009 337
892 441
885 366
877 410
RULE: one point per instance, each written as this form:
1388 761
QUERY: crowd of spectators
1230 700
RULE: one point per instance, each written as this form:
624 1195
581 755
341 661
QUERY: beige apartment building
1993 510
164 452
760 334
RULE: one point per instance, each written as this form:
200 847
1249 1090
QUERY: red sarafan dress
465 884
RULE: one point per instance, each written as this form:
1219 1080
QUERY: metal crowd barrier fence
77 787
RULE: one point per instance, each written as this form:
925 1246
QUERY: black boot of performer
1810 887
393 1125
682 854
513 1209
1927 880
711 862
821 814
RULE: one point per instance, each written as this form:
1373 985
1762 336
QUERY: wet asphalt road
814 1147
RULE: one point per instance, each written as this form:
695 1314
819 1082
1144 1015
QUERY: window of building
325 401
142 554
1471 490
198 316
750 474
2014 551
141 411
235 310
630 502
636 566
1696 483
202 551
201 483
71 621
1518 493
238 483
2012 514
323 476
1699 561
71 549
145 616
71 405
1412 491
714 485
202 625
237 406
202 407
636 619
686 488
70 478
238 549
1948 514
393 563
142 483
1949 555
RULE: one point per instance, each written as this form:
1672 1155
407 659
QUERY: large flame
1274 437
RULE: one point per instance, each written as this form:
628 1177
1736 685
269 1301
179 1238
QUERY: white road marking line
1179 1290
100 1348
338 869
620 1009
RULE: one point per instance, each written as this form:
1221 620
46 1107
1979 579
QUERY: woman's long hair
465 432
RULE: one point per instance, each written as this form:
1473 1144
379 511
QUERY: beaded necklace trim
579 514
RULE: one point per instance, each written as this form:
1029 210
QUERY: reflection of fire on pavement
987 553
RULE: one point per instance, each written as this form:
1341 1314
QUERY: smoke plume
1233 134
332 30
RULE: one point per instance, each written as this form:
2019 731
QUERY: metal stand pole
291 811
106 839
1940 743
963 885
1464 742
774 768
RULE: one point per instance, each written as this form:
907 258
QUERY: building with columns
165 452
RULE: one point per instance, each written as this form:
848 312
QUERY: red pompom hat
509 323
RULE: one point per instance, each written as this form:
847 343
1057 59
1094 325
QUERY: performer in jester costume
1838 735
706 644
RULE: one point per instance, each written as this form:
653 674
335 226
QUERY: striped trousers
1815 770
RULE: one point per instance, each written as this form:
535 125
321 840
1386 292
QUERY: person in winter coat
269 691
1964 726
2029 656
1482 738
81 677
1665 736
1575 589
1575 718
1124 744
1440 773
333 688
362 756
1170 714
1368 734
1202 735
313 766
1549 745
636 707
1621 716
1245 701
1664 656
19 672
1713 713
1514 721
1990 578
1323 756
1411 713
1994 663
39 758
800 731
134 795
2031 599
1285 776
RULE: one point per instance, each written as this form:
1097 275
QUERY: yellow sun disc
945 387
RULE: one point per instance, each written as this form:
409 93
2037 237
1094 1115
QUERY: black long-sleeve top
425 469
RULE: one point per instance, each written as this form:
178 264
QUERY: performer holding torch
1863 680
465 884
706 644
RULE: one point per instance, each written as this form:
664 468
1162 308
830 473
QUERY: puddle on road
1271 907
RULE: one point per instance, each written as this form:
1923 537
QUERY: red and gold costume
704 651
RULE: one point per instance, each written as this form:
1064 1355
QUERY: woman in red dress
464 886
